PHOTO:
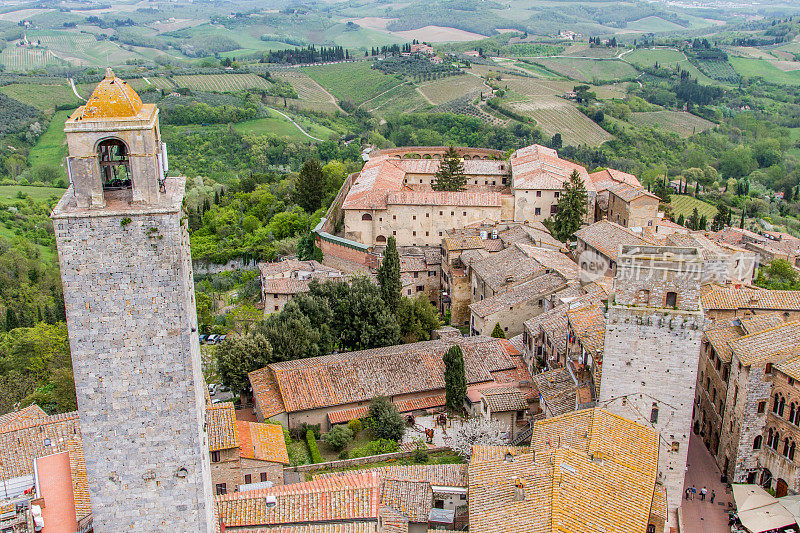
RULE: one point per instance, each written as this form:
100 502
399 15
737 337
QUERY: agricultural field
648 57
8 193
718 70
652 25
81 49
758 68
531 87
558 116
221 83
684 205
357 82
401 99
451 87
280 126
23 59
590 70
41 96
536 70
312 96
51 147
680 122
360 37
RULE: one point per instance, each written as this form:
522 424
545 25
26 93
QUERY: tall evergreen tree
310 187
455 380
571 208
450 176
498 332
389 276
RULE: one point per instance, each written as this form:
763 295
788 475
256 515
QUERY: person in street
703 492
687 492
713 495
694 491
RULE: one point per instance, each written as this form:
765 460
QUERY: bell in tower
115 151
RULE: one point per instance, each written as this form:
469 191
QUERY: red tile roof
536 288
732 298
221 424
538 167
264 442
607 237
404 406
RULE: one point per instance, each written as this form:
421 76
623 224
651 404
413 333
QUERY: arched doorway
781 488
115 171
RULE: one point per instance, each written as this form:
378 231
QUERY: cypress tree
310 186
450 176
498 332
455 380
389 276
571 208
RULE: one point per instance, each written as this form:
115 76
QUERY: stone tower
126 269
652 347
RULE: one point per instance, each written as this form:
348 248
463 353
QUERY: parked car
212 389
221 338
223 388
203 338
212 339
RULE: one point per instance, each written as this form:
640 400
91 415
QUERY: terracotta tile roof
412 499
346 415
607 237
24 440
722 332
558 389
552 260
589 325
481 452
349 497
773 345
532 233
790 367
553 324
350 377
603 178
340 527
539 287
508 267
493 245
285 286
266 393
221 424
412 263
732 298
629 193
463 242
433 256
286 268
425 402
32 412
501 399
538 167
392 520
518 342
447 475
264 442
570 484
80 482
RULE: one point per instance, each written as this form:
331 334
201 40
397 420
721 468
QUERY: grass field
759 68
653 25
51 147
446 89
589 70
401 99
357 81
645 57
221 83
682 123
311 95
8 193
684 205
277 125
44 97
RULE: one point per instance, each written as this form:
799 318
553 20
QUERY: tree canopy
455 380
387 423
450 176
389 275
571 208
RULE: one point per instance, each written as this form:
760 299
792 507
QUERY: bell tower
123 248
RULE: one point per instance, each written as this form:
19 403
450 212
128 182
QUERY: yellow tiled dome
112 98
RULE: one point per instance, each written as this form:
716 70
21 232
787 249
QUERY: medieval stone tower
652 347
126 269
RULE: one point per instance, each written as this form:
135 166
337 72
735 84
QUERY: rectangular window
276 307
420 288
263 477
761 407
214 457
556 194
414 233
222 488
427 233
538 194
427 215
465 213
537 211
414 217
553 209
248 479
416 274
409 292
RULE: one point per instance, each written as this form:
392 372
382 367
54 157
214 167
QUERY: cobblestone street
703 516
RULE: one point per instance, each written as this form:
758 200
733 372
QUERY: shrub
338 437
355 426
387 422
312 446
299 432
343 454
420 455
375 447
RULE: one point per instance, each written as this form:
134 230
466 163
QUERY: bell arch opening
115 170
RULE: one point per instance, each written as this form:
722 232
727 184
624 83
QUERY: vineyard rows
23 59
221 83
718 70
446 89
575 127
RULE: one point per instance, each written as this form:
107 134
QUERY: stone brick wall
130 309
741 422
710 397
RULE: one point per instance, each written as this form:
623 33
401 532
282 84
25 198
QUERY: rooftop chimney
519 490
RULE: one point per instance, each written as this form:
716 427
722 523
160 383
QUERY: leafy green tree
238 355
778 274
681 220
722 218
498 332
389 275
355 426
292 334
450 176
417 319
661 189
694 220
703 223
455 380
556 142
310 187
387 423
338 437
571 208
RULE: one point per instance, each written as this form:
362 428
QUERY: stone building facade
123 249
651 351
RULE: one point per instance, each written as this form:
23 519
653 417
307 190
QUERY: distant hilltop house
422 48
569 35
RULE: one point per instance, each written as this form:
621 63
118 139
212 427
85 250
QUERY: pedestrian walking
694 491
713 495
703 492
687 492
